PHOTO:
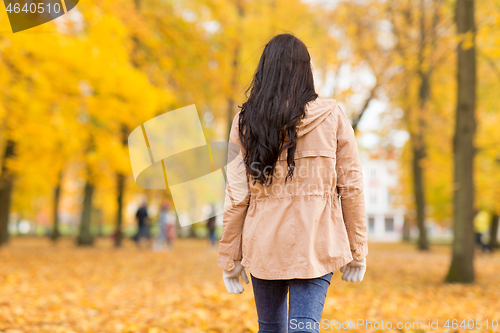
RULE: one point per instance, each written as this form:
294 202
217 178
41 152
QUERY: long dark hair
281 87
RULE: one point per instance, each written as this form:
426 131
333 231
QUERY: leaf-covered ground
46 288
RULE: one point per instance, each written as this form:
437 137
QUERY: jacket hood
316 112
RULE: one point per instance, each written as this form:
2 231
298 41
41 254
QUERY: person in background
170 225
211 227
162 234
142 224
482 227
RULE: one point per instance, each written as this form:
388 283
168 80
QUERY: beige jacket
316 223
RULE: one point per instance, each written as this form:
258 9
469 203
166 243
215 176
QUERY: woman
294 209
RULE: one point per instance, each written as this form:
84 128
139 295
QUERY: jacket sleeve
350 187
236 202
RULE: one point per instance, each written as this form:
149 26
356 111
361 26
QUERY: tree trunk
230 107
6 186
406 230
120 186
419 150
418 192
120 190
494 231
57 194
357 118
235 64
462 264
85 237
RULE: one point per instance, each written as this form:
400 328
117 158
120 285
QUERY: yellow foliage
46 288
67 92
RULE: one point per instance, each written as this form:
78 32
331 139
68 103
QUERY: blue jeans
211 237
307 298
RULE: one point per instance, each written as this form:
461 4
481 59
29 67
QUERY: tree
120 190
57 195
85 237
417 57
494 231
6 186
462 268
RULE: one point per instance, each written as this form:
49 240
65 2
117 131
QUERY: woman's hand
354 271
232 278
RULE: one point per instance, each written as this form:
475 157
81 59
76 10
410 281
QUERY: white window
371 224
389 224
373 197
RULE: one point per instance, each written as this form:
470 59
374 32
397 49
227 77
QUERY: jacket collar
316 112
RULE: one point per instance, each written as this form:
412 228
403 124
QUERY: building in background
381 184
